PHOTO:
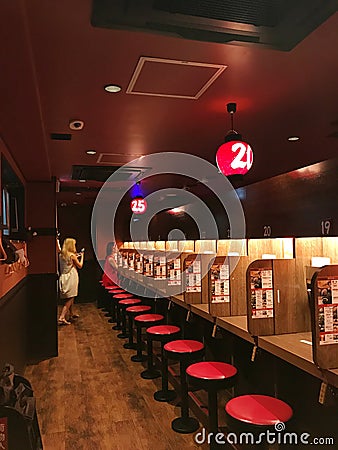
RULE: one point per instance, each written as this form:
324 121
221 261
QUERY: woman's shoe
75 316
64 322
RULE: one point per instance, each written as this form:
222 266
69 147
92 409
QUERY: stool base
150 374
122 336
164 396
137 358
185 425
130 346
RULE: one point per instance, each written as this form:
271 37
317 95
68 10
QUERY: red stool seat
130 301
138 309
259 410
116 290
122 296
211 370
161 330
148 318
183 346
111 286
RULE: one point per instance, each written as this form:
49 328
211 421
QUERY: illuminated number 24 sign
138 205
234 158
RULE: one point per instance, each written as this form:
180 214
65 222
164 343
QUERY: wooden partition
196 278
226 279
324 307
271 248
276 302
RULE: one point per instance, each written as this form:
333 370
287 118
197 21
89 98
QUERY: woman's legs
65 310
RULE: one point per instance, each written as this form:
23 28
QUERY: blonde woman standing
70 261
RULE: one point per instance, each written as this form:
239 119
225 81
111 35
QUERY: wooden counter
202 310
296 349
236 325
179 300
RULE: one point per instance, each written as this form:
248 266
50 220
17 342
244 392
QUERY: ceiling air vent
102 173
61 136
278 24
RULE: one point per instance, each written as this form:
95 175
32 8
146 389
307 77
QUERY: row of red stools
245 412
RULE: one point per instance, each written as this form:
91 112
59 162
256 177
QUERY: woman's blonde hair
68 248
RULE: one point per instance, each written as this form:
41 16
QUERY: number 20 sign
234 158
138 205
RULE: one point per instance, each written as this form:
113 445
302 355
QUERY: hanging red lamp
235 156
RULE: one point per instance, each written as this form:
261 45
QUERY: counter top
202 310
236 325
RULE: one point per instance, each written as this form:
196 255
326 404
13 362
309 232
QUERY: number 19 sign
138 205
234 158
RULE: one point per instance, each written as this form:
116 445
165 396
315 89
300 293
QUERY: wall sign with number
138 205
234 158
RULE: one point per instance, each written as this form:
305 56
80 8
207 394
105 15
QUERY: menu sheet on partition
193 275
261 288
174 272
160 267
139 263
327 291
119 260
131 261
220 283
125 260
148 265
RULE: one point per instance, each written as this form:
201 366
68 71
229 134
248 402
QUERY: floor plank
92 396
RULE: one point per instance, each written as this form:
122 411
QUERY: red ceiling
54 65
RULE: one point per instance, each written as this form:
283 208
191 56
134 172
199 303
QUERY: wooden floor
92 396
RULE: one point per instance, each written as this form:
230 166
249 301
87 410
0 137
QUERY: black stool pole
164 395
185 423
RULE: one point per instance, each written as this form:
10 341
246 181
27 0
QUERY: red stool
185 351
144 320
131 312
212 376
163 334
256 413
115 299
123 305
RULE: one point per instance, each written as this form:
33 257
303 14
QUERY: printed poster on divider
160 267
220 283
139 263
148 265
174 272
261 287
327 291
193 276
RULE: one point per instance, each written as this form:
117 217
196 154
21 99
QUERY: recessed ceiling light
293 138
82 181
91 152
74 203
112 88
78 193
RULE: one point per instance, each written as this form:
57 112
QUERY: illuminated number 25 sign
234 158
138 205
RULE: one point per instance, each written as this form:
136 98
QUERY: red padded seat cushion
184 346
259 409
130 301
116 291
163 329
122 296
149 317
137 309
211 370
111 286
